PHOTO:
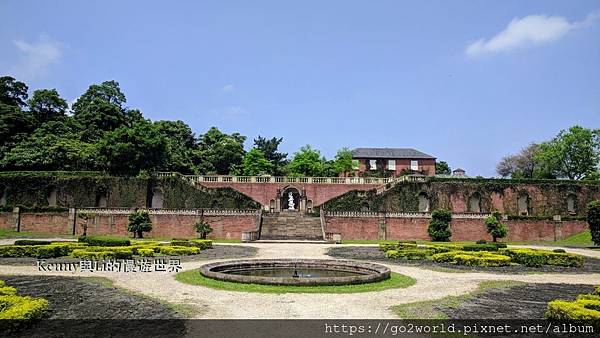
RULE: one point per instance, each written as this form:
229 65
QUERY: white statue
291 205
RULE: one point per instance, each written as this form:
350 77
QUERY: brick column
72 220
17 219
557 228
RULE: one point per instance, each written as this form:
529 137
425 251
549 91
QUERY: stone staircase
291 225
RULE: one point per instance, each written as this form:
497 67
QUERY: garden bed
91 307
590 265
217 252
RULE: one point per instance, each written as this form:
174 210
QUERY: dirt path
228 304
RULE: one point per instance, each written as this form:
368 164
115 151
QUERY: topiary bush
495 228
439 226
580 309
15 307
537 258
105 241
102 255
145 252
593 220
179 250
199 243
203 228
480 247
486 260
410 254
139 222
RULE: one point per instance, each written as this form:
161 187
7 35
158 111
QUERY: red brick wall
264 192
462 229
55 223
174 226
6 221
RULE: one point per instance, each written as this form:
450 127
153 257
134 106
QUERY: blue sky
465 81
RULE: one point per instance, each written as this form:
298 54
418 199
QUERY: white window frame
414 165
391 164
372 164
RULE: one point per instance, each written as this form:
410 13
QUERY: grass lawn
582 240
193 277
431 309
14 234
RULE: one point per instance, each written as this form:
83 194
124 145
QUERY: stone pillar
557 228
382 229
72 220
17 219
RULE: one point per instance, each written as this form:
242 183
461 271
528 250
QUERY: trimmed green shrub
487 260
387 246
18 250
499 245
179 250
481 241
410 254
15 307
199 243
480 247
439 225
31 242
145 252
593 220
582 309
559 250
105 241
139 222
589 296
494 227
203 228
102 255
6 290
537 258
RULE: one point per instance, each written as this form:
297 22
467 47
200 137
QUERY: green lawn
431 309
582 239
193 277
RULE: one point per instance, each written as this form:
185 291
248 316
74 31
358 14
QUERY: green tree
343 162
183 152
269 148
100 109
46 105
128 150
593 220
13 92
494 227
572 154
53 146
255 163
203 228
439 225
442 168
307 162
139 222
220 153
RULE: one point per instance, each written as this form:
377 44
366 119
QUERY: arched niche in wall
423 202
3 194
157 199
572 204
309 206
475 202
52 197
523 203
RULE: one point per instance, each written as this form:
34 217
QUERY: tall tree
128 150
100 109
183 150
255 163
442 168
46 105
343 162
220 153
269 148
13 92
525 164
307 162
573 153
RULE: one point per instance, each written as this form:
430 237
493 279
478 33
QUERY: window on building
391 164
373 164
355 164
414 165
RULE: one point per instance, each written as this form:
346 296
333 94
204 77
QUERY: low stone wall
414 228
48 222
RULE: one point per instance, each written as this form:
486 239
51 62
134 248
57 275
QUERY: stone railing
192 212
287 179
400 214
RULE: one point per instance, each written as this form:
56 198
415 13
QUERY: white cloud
527 31
228 88
37 57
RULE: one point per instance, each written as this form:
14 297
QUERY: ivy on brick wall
177 193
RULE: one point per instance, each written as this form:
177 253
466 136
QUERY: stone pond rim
364 272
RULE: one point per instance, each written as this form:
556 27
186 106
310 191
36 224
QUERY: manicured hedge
31 242
472 258
537 258
105 241
22 307
6 290
480 247
145 252
179 250
581 309
102 255
410 254
52 250
199 243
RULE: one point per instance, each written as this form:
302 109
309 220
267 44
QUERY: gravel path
228 304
